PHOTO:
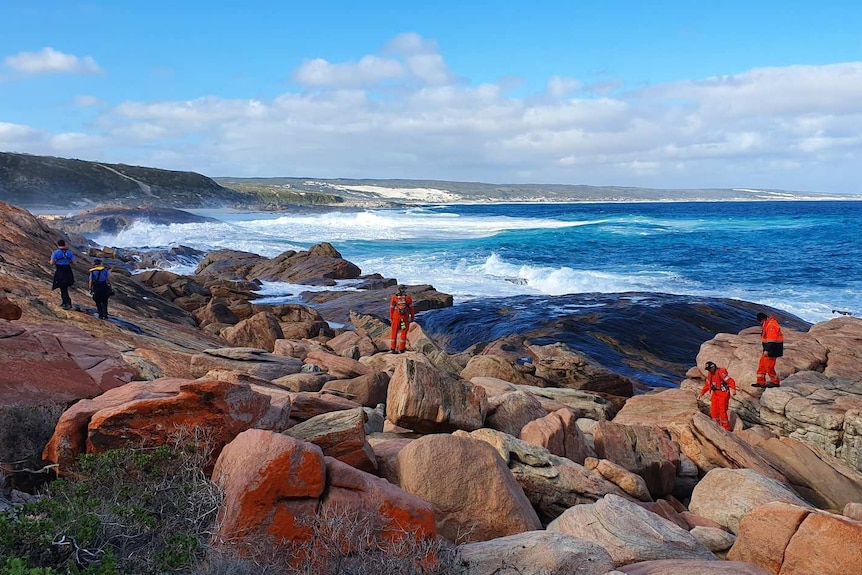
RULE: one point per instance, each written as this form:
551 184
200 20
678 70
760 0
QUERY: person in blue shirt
62 259
100 287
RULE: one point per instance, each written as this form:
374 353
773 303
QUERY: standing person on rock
772 341
62 259
722 387
401 313
100 287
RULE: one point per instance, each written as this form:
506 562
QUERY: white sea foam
272 235
465 273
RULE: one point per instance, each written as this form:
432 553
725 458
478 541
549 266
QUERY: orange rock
558 432
149 412
400 515
271 482
793 540
474 494
56 363
260 331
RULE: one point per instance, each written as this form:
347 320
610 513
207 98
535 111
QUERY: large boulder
270 483
425 399
643 449
552 484
510 412
726 495
710 446
819 409
307 404
497 367
536 552
254 361
558 432
352 344
628 532
148 413
563 367
280 489
322 261
791 540
56 363
662 408
260 331
582 403
369 389
475 496
341 435
335 365
825 481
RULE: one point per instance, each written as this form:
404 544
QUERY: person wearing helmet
401 313
100 287
772 341
722 387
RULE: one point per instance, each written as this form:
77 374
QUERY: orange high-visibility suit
773 347
719 382
401 313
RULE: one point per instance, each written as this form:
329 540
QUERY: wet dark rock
649 337
115 219
337 305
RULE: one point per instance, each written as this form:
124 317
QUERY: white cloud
84 101
559 86
368 71
50 61
409 57
403 114
16 136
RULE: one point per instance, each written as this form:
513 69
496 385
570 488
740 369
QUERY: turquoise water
801 257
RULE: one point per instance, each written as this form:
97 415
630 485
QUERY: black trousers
65 300
101 293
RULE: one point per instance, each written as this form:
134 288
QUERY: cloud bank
403 113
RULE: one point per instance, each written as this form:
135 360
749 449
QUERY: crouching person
722 387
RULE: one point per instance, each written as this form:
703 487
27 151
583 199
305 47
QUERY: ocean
802 257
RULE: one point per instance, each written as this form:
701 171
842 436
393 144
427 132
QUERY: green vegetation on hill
48 182
274 196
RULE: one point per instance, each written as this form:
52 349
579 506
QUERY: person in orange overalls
722 387
401 313
772 341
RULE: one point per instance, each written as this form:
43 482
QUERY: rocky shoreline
536 450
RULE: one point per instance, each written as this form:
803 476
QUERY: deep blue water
801 257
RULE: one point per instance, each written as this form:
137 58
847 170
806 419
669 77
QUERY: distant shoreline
54 212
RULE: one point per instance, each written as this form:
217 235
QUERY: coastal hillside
48 182
45 182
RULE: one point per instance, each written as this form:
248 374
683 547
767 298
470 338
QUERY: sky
661 93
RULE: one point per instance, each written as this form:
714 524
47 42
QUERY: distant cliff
47 182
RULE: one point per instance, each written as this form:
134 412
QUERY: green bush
126 511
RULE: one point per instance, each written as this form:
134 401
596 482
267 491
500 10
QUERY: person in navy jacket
62 259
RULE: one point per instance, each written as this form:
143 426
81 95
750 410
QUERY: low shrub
126 511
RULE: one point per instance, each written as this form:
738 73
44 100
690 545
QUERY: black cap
97 261
710 366
762 316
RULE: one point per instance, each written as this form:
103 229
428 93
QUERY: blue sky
659 94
